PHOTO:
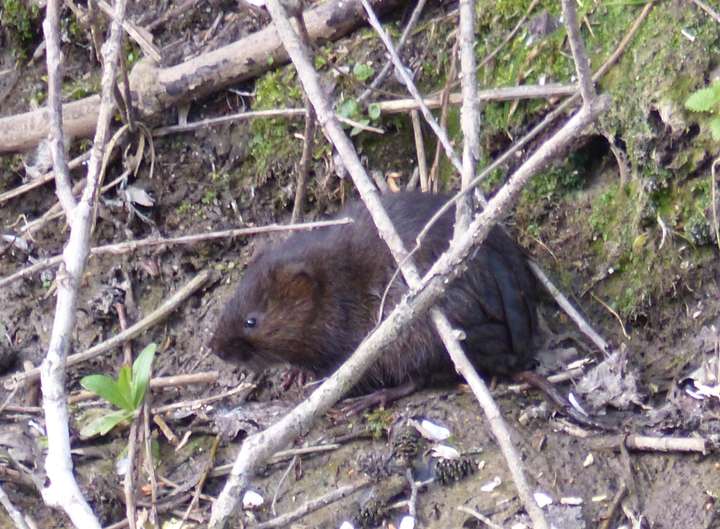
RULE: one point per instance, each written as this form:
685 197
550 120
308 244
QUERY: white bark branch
582 65
51 28
62 490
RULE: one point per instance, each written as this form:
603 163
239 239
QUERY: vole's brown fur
311 299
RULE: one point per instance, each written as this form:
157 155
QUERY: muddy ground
222 177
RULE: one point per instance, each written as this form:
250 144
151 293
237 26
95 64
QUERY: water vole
312 298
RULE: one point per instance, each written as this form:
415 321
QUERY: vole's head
267 320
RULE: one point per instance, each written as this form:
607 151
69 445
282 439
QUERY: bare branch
313 505
387 68
565 304
492 413
131 246
17 517
131 332
469 115
408 82
709 10
51 28
582 65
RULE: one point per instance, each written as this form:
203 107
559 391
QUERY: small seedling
707 100
126 393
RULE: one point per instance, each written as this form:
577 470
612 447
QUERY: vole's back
315 296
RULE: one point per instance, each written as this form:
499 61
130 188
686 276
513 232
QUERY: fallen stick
42 180
393 106
133 331
130 246
339 493
155 89
158 383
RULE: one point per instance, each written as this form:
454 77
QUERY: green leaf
374 111
357 130
348 108
124 383
363 72
704 100
320 61
105 423
108 389
141 373
715 128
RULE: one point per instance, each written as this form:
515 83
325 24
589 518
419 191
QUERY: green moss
185 208
80 88
379 422
209 197
21 22
272 143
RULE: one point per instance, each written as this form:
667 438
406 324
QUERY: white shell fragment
582 362
542 499
576 404
430 430
571 500
347 525
589 460
252 500
491 485
138 195
121 466
445 451
407 522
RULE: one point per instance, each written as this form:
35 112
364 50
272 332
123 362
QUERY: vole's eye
250 323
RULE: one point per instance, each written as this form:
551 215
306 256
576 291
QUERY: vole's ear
297 282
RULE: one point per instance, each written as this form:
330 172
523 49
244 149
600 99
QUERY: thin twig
410 85
613 507
484 519
131 246
393 106
713 190
420 150
62 490
16 516
709 10
196 403
650 444
305 160
498 426
469 115
63 185
134 330
42 180
582 64
201 483
313 505
173 381
571 311
139 35
614 313
129 484
412 502
149 464
279 487
444 105
387 68
570 374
